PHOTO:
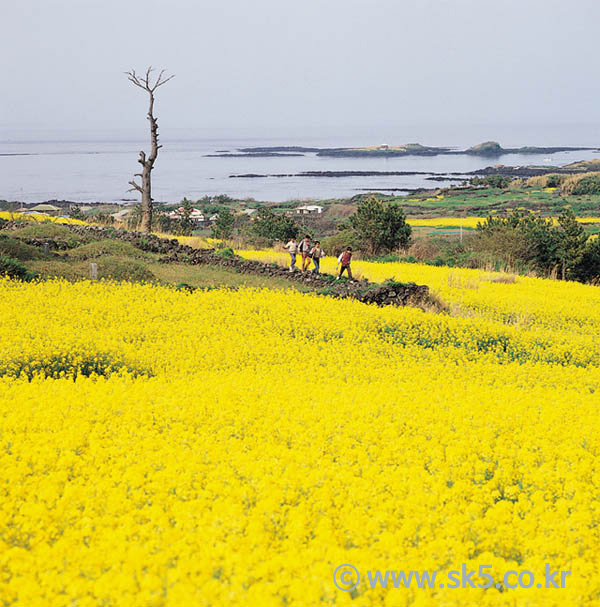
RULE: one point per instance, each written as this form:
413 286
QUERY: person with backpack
316 253
304 249
292 247
344 263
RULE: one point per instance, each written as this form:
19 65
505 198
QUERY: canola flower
472 222
234 447
529 302
40 217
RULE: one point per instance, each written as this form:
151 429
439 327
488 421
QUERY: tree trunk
146 223
145 188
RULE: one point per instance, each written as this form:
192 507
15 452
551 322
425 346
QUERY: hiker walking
304 248
316 253
292 247
344 263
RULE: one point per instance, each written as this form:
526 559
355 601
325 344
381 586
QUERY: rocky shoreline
498 169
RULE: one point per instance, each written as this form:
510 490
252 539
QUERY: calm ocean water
96 166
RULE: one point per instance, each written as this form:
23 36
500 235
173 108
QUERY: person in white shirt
292 247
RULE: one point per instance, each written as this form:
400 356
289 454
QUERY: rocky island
487 148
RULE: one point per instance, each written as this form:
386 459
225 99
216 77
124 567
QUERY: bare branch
160 81
135 187
143 82
134 79
148 72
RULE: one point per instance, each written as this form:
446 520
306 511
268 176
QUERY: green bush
587 185
223 226
524 239
389 258
271 226
380 227
13 268
334 245
554 181
226 253
11 247
494 181
587 268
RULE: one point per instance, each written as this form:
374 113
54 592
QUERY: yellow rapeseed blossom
39 217
471 222
223 448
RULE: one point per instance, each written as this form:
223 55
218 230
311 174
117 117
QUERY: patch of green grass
110 267
104 247
11 247
480 202
49 230
214 276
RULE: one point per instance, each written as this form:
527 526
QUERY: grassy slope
120 261
173 273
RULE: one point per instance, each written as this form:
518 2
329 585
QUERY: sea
94 165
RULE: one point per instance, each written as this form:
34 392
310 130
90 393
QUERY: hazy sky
299 63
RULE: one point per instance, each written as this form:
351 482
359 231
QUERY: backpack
346 258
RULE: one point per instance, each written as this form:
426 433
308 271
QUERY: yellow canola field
234 447
15 216
471 222
568 307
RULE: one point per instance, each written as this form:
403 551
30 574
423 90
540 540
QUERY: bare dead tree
145 82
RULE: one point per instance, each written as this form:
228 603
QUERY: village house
42 209
309 209
195 215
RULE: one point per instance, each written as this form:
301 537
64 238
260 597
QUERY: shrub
271 226
11 247
223 226
334 245
226 253
588 185
13 268
525 239
581 183
554 181
380 227
587 268
389 258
